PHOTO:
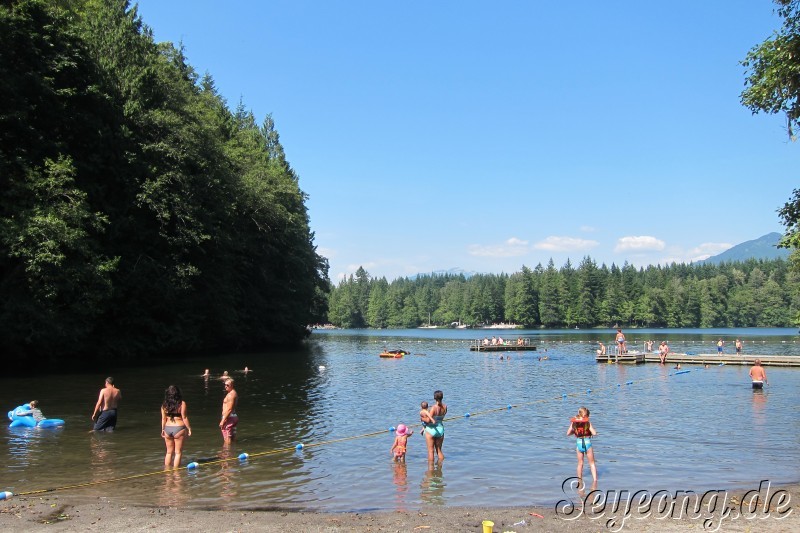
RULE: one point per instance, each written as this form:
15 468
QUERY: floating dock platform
703 359
632 357
526 346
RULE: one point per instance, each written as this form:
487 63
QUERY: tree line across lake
139 215
754 293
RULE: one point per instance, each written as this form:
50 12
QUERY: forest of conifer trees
139 215
754 293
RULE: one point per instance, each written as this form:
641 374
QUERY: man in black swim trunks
106 407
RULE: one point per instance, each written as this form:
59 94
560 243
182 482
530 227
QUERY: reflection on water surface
662 431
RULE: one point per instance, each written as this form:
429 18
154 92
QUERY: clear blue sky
490 135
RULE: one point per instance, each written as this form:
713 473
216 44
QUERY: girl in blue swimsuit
434 433
582 428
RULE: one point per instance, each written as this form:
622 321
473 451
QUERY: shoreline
771 508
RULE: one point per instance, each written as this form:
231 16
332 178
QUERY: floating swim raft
393 354
526 346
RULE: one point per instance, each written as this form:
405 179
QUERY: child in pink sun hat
400 443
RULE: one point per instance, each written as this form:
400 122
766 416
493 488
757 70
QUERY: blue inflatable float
22 417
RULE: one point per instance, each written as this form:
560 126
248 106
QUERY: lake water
705 429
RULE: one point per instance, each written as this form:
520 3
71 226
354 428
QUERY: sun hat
402 429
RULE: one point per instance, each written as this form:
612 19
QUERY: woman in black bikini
174 425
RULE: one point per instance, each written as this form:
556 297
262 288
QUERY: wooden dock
526 346
703 359
632 357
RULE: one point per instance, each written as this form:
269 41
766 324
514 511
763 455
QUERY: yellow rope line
326 442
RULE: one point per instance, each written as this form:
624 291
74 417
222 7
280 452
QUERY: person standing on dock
758 374
621 349
720 345
663 350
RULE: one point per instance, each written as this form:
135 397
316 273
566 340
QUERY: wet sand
775 511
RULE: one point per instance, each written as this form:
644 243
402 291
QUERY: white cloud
565 244
678 255
512 247
330 253
706 250
588 229
366 266
643 243
352 268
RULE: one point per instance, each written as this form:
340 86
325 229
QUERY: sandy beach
770 509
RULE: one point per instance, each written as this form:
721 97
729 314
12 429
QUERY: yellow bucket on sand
488 526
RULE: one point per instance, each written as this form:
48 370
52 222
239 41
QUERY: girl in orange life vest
582 428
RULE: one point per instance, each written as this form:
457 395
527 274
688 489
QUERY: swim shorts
584 444
107 420
229 427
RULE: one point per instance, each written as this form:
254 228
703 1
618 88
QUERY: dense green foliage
772 84
138 214
754 293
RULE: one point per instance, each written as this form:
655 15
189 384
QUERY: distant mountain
762 248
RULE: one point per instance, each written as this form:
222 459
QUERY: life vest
581 426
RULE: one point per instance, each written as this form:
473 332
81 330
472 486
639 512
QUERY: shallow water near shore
658 430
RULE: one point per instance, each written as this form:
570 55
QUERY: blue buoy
391 428
629 383
588 391
466 415
243 456
563 395
192 465
509 406
5 495
299 446
619 384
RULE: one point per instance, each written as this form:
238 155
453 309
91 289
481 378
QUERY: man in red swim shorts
229 417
